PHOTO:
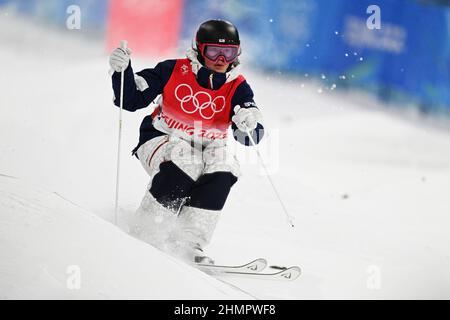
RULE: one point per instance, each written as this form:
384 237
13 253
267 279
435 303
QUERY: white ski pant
182 226
189 159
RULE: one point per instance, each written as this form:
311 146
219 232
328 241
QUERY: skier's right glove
119 59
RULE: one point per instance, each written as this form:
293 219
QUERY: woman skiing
182 144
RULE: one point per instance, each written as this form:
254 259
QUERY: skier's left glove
246 119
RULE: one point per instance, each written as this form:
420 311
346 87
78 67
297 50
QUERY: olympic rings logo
207 109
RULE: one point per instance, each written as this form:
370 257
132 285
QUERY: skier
182 144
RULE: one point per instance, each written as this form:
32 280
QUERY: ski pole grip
123 44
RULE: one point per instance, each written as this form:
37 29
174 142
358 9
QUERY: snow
48 241
368 188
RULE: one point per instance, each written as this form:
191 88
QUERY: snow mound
50 248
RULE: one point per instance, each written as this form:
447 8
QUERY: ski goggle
214 51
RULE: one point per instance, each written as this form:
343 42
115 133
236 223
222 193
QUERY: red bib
187 104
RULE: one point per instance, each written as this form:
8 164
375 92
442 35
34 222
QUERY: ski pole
261 161
123 45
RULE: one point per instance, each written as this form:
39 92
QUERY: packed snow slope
51 248
368 188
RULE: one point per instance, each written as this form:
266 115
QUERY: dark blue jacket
156 78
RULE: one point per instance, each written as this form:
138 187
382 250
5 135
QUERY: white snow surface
368 188
53 249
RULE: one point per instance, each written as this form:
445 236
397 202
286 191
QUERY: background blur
406 61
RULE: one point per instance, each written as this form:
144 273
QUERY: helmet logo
201 101
221 40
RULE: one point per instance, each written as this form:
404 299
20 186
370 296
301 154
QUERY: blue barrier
93 12
425 62
407 60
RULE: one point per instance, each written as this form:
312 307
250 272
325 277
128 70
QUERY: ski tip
261 260
258 264
297 269
291 273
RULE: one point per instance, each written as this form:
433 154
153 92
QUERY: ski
253 270
254 266
288 274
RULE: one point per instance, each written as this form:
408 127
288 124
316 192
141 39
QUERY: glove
246 119
119 59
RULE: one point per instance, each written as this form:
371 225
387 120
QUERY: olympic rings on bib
210 105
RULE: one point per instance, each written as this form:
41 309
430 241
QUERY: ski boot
194 230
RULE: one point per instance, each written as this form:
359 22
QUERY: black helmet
215 32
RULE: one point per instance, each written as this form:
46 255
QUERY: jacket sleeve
243 97
142 88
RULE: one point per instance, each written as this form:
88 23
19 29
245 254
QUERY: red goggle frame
213 51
